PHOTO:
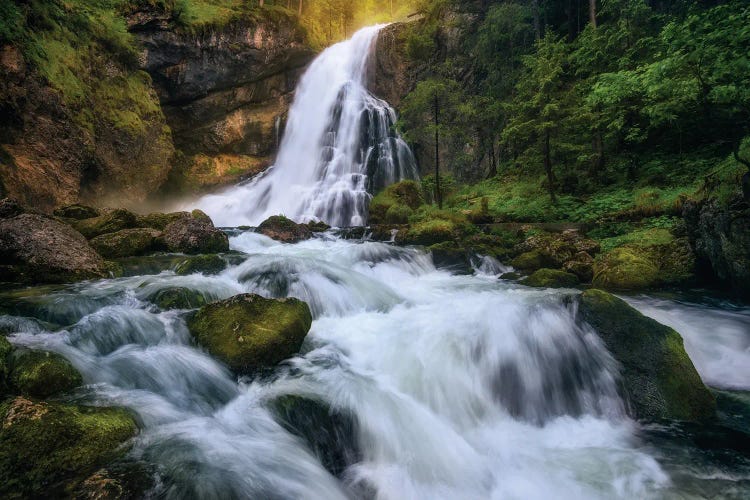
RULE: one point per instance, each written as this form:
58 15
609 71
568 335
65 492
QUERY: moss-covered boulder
531 261
205 264
249 332
582 265
285 230
201 215
331 434
193 236
76 212
451 255
127 243
558 248
34 248
178 298
158 220
42 374
625 268
110 221
318 227
550 278
405 194
398 214
47 448
429 226
658 378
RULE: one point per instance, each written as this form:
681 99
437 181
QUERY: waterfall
338 148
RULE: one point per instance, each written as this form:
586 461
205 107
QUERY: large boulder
110 221
159 220
34 248
395 203
550 278
658 378
558 248
204 264
285 230
42 374
249 332
177 298
46 448
76 212
192 236
127 243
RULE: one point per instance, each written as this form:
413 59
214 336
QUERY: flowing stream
338 148
455 386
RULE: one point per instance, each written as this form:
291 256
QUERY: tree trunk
592 13
260 3
300 8
537 20
493 160
548 166
438 194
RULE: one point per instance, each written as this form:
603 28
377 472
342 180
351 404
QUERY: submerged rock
285 230
127 243
249 332
330 434
34 248
658 378
178 298
206 264
189 235
110 221
46 448
42 374
550 278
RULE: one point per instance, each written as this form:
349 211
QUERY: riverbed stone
127 243
46 447
193 236
110 221
285 230
35 248
550 278
249 332
658 378
42 374
206 264
178 298
159 220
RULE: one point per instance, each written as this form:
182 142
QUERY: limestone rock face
249 332
38 249
658 378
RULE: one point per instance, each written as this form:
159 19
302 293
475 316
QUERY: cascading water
339 146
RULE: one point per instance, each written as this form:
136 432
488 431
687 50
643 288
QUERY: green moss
46 448
249 332
126 243
158 220
42 374
659 379
398 214
531 261
109 222
178 298
206 264
625 268
201 215
551 278
405 193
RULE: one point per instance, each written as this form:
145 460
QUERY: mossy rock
318 227
430 226
178 298
158 220
405 193
5 350
499 246
42 374
658 378
550 278
625 268
398 214
331 434
511 276
249 332
201 215
450 254
531 261
285 230
110 221
582 266
47 448
205 264
194 236
76 212
127 243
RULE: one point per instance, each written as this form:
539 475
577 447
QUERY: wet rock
318 227
331 434
178 298
42 374
158 220
550 278
582 266
531 261
249 332
558 248
9 208
451 255
127 243
205 264
194 236
200 215
34 248
76 212
658 378
45 446
110 221
511 276
285 230
118 481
